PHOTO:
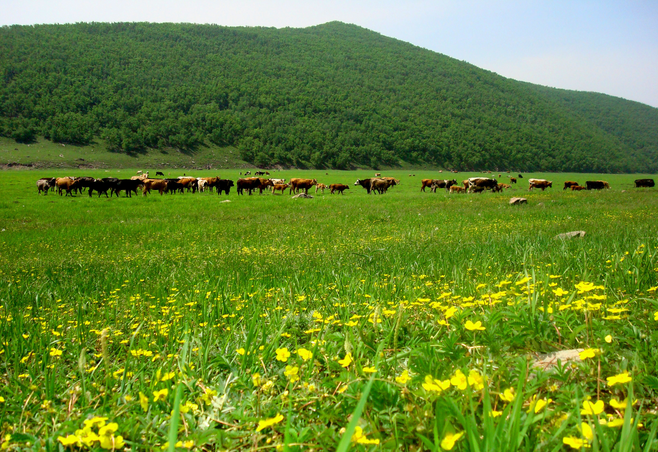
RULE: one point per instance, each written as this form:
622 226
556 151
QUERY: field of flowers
408 321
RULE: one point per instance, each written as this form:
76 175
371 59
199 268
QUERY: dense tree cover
333 95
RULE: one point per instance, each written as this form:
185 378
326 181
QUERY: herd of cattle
376 185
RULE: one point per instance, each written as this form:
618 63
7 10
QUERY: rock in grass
517 201
303 195
570 235
552 359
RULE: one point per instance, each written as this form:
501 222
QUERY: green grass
187 294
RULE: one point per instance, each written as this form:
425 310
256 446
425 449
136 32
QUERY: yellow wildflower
255 379
574 442
160 395
345 362
282 354
269 422
590 408
292 372
507 395
474 326
619 379
448 442
55 352
359 438
305 354
70 440
589 353
404 378
369 370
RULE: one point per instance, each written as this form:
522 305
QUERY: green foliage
333 95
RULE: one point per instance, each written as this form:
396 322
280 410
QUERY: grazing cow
278 181
201 184
45 184
569 184
159 173
644 183
442 183
250 184
512 180
66 183
539 183
340 188
224 185
301 184
457 189
577 188
501 187
101 186
154 184
321 187
190 183
365 183
484 183
247 173
520 176
130 186
141 176
378 174
279 187
174 185
597 184
380 185
425 183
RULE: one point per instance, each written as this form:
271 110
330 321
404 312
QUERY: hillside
333 95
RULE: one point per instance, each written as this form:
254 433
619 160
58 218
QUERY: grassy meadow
405 321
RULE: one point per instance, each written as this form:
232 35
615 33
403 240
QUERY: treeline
334 95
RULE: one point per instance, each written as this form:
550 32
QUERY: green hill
333 95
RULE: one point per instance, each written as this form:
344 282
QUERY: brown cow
380 185
249 184
153 184
279 187
539 183
512 180
577 188
190 183
301 184
457 189
425 183
66 183
340 188
321 187
569 184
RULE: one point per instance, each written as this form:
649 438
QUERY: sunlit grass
261 323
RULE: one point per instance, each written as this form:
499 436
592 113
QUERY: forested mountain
332 95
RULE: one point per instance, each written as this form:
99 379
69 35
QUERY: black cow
173 185
644 183
365 183
100 186
84 182
130 186
596 184
159 173
223 185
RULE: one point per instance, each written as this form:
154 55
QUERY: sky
603 46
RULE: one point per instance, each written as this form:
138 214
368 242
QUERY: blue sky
604 46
